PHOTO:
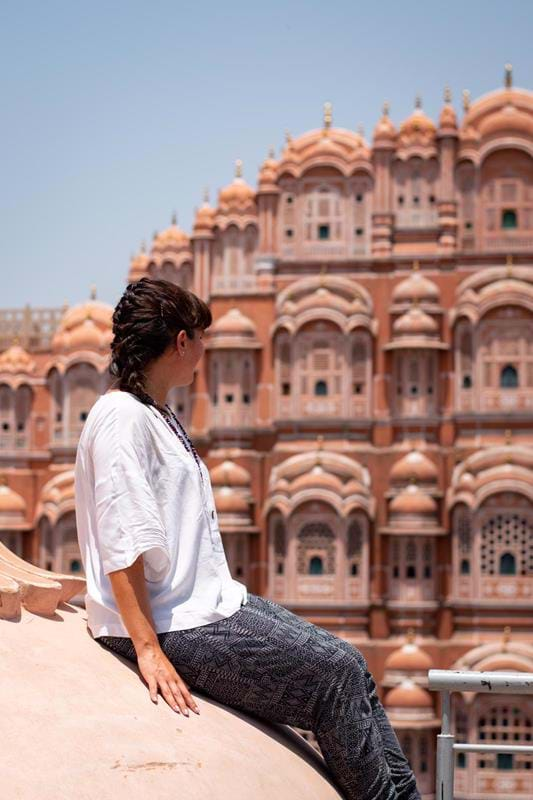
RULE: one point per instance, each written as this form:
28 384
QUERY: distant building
365 404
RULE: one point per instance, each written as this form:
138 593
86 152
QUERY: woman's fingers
179 697
174 702
152 688
189 699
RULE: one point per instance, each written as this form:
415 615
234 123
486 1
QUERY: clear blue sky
117 113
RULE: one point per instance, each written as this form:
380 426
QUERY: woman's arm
129 588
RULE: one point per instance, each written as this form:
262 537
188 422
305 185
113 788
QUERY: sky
116 114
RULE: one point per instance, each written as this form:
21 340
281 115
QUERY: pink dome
415 322
414 465
408 695
413 501
228 473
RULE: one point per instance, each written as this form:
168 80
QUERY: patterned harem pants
265 660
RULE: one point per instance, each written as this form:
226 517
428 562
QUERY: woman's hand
159 673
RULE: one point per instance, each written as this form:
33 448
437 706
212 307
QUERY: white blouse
138 490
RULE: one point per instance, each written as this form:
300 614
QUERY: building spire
238 168
508 79
174 218
466 99
386 108
447 94
93 291
418 102
328 116
206 195
272 152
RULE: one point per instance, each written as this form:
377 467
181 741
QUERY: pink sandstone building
365 404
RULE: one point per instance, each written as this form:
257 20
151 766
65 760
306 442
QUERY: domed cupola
234 330
172 240
447 118
228 473
138 265
268 174
415 330
408 661
233 497
204 221
409 706
413 511
16 360
416 288
12 509
87 326
385 134
238 197
414 466
417 129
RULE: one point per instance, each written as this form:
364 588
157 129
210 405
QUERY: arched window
507 564
509 377
280 547
316 541
465 566
316 566
321 388
509 218
354 548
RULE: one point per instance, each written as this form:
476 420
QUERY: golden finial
154 235
466 99
418 102
238 168
386 108
288 138
328 116
206 195
143 246
416 265
174 219
360 129
410 636
508 80
93 291
447 94
506 636
509 265
272 152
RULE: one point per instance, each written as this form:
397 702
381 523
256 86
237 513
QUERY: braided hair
146 320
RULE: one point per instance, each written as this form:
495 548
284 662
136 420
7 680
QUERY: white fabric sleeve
128 519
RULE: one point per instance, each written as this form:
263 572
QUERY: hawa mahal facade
365 404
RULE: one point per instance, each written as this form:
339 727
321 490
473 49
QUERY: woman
159 591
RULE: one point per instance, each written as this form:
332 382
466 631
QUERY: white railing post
445 756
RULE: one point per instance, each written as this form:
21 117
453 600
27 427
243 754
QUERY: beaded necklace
182 435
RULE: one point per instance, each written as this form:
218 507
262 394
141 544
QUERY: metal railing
448 681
